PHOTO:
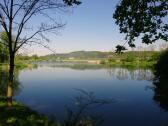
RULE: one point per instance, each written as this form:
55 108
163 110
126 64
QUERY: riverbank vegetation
134 59
20 115
129 58
161 80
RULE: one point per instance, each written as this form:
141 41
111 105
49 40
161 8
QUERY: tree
142 18
15 19
160 80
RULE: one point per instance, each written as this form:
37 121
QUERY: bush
111 60
161 68
130 58
155 57
102 62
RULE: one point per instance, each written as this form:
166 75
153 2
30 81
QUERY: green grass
21 65
20 115
134 64
18 64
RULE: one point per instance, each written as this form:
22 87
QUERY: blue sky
90 27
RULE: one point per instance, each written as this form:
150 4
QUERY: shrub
161 68
155 57
111 60
102 62
130 58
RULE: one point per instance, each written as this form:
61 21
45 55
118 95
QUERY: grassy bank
18 64
21 115
134 64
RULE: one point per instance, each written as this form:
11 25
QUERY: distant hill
84 55
80 55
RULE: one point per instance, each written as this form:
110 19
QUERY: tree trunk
10 81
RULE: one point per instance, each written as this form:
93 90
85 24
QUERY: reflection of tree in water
161 92
4 80
118 73
85 102
137 74
142 74
161 81
21 115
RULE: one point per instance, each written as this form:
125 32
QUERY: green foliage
120 49
155 56
162 65
22 57
3 48
3 53
142 18
130 58
111 60
20 115
4 80
102 62
35 57
161 92
91 55
161 81
134 59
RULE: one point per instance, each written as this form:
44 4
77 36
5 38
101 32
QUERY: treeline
101 55
136 55
86 55
128 56
67 56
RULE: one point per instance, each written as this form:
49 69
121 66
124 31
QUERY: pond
51 87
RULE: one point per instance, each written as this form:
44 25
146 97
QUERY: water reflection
161 92
85 101
160 89
16 88
4 80
121 73
133 74
48 88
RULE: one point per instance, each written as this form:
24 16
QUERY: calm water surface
50 87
